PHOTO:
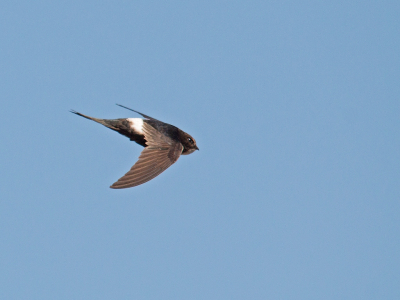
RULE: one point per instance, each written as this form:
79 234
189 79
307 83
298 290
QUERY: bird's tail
104 122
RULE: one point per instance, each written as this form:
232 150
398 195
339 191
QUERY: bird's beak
197 148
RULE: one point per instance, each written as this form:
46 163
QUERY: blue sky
294 194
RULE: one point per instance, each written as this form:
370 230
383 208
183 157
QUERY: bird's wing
143 115
159 154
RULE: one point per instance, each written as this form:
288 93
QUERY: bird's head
189 143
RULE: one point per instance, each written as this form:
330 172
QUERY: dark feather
143 115
158 155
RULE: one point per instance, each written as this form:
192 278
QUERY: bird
163 144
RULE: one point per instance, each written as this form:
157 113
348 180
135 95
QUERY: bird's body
163 143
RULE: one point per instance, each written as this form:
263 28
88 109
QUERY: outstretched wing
143 115
159 154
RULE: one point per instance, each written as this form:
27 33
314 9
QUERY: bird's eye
190 140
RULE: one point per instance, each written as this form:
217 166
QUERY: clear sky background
294 194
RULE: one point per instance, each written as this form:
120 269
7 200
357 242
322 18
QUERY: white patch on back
136 125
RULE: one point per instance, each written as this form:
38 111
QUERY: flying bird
163 144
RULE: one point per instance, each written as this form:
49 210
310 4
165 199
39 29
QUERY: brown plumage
164 143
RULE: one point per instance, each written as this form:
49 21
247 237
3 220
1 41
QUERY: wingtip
117 186
143 115
120 105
